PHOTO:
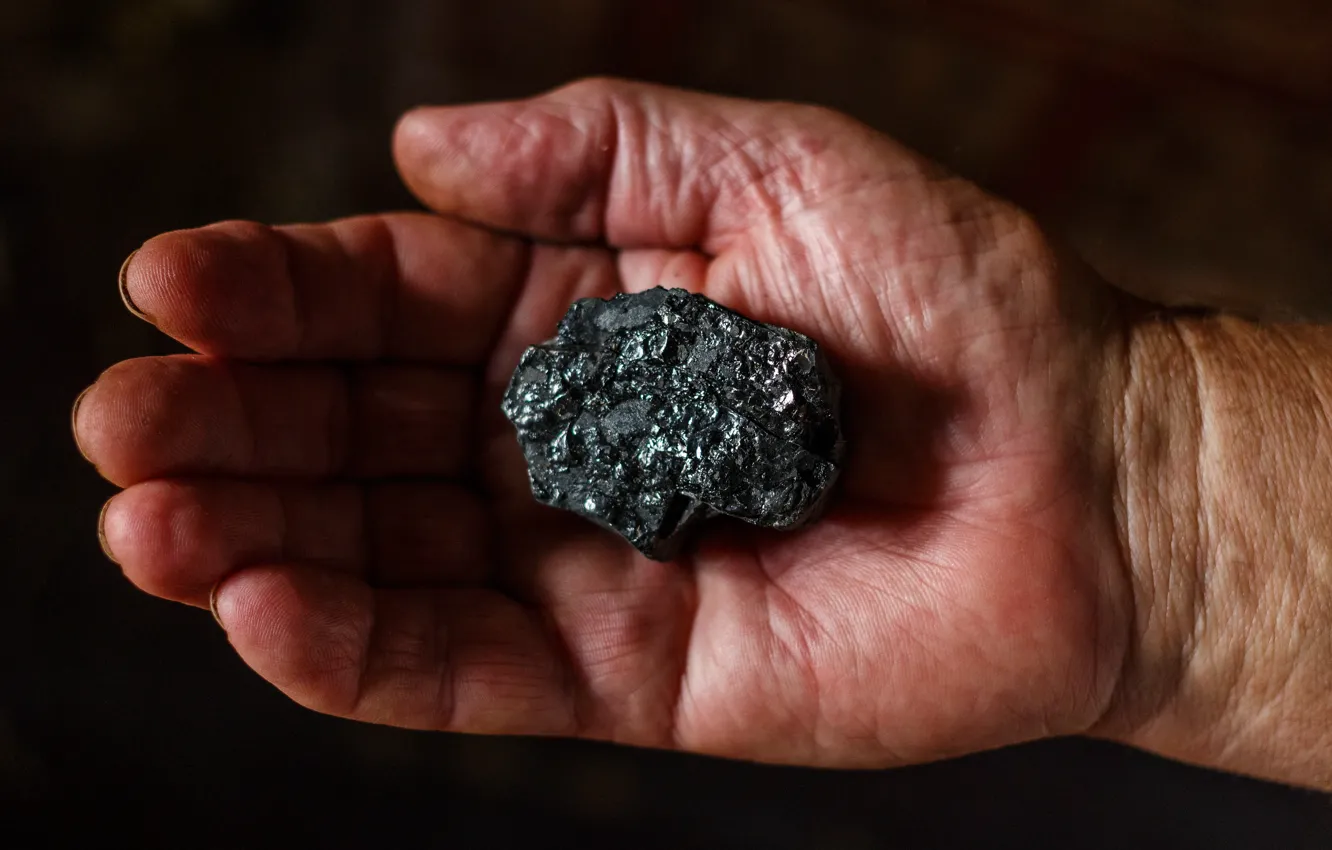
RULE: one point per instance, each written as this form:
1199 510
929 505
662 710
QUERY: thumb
635 165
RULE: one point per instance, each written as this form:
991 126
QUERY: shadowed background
1184 147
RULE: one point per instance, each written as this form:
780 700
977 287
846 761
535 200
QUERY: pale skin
1062 511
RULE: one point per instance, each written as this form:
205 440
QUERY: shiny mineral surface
649 413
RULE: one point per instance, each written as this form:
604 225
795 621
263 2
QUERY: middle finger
191 415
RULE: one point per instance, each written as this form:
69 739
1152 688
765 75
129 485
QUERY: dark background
1184 146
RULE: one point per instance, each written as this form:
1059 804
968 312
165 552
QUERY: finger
635 165
177 538
188 415
407 286
460 660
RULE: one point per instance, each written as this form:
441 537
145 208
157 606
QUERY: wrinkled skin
333 463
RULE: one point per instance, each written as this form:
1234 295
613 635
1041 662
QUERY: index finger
408 286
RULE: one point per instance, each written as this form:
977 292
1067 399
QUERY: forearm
1225 511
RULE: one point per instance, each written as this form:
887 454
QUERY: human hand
333 464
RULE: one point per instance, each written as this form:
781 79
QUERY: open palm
333 464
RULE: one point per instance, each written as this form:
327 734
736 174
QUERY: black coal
650 413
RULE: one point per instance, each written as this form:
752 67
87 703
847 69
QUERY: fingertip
212 604
421 138
146 274
122 282
412 130
124 420
74 421
117 532
138 529
101 532
304 630
88 419
166 539
326 606
212 288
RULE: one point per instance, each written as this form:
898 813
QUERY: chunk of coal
650 413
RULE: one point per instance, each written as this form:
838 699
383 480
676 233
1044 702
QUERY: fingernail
124 288
212 605
74 422
101 533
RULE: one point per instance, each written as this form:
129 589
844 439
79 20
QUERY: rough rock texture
649 413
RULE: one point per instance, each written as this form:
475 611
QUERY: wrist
1221 438
1158 432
